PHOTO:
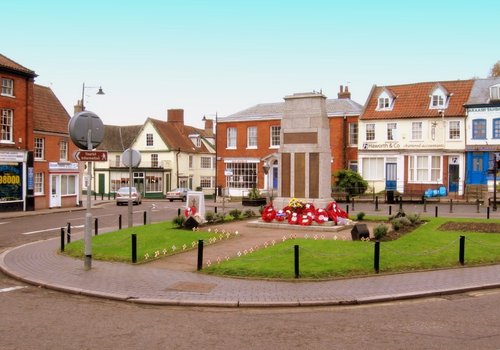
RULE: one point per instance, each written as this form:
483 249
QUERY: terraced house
172 155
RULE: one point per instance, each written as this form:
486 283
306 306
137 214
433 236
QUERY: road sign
91 156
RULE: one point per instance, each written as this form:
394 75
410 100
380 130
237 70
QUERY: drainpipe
345 141
177 165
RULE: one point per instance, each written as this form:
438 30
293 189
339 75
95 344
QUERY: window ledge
6 95
231 148
252 147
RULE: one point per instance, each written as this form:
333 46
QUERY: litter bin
360 231
390 197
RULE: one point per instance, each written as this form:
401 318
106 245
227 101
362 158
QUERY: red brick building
250 139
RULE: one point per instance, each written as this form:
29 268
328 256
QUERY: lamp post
265 168
215 147
495 171
99 92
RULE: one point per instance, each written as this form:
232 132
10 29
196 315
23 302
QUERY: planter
254 202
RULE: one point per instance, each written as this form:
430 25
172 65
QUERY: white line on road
11 289
50 229
6 222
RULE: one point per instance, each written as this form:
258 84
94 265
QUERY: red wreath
293 219
268 213
190 211
321 216
281 215
306 219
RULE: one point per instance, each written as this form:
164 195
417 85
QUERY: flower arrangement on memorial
299 213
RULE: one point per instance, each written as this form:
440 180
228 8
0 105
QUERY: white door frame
55 190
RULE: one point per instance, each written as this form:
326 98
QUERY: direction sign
91 156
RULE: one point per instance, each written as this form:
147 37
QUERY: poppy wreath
268 213
306 219
281 215
321 216
293 219
190 211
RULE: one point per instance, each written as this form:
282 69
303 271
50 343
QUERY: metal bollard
296 260
215 209
477 206
461 253
390 210
62 239
347 209
376 257
425 205
352 204
200 255
488 213
178 211
144 217
451 205
376 203
96 226
400 203
120 221
68 233
436 212
134 248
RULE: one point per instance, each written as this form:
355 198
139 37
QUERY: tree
350 181
495 70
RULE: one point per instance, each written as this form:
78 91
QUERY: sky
219 57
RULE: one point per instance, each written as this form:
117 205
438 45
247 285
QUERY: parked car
122 196
178 193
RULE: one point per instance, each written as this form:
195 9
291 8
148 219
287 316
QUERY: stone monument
305 154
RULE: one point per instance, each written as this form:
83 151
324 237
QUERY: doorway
55 191
453 177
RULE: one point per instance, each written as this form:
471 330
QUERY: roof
266 111
176 136
10 65
119 138
413 100
49 114
480 93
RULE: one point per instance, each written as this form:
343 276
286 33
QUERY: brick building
250 139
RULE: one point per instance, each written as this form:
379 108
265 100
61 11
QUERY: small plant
380 231
400 222
254 193
210 216
414 218
360 216
219 217
235 213
179 220
249 213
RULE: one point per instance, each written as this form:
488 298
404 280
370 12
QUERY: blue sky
227 55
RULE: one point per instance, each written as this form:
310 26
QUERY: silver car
122 196
178 193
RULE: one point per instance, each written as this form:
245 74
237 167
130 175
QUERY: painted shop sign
484 109
11 188
397 145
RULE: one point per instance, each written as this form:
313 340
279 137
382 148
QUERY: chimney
344 93
175 116
209 126
78 107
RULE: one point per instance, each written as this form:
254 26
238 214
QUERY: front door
453 176
55 191
101 183
477 168
391 176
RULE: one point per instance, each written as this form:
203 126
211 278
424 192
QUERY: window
7 120
206 181
370 132
63 150
7 87
154 160
38 183
383 103
495 92
149 140
39 148
416 131
479 129
117 160
191 162
373 168
391 131
206 162
454 130
252 137
425 168
154 182
437 101
68 185
353 165
496 128
244 175
353 134
275 135
439 97
231 138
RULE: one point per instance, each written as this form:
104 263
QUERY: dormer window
495 92
439 98
385 101
195 139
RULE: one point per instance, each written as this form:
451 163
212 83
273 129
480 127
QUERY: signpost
132 159
91 156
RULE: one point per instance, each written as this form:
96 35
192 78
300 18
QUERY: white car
178 193
122 196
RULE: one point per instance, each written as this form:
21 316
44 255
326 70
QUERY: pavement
40 264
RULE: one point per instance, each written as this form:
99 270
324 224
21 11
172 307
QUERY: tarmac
39 263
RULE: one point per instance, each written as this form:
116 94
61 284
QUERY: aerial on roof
48 112
266 111
415 100
8 64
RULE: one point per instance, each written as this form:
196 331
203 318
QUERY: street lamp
266 168
99 92
215 146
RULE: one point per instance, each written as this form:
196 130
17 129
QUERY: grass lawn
153 241
424 248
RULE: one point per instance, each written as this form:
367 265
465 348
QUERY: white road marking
6 222
10 289
50 229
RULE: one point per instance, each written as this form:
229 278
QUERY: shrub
414 218
380 231
219 217
235 213
249 213
400 222
179 220
360 216
254 193
351 181
210 216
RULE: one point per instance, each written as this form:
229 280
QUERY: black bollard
390 210
95 195
102 196
347 209
296 260
425 205
400 203
376 203
68 233
96 226
200 255
461 253
178 211
436 212
62 239
134 248
451 205
488 213
352 204
215 209
120 221
145 217
477 206
376 257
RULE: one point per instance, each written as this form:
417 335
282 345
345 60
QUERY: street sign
91 156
